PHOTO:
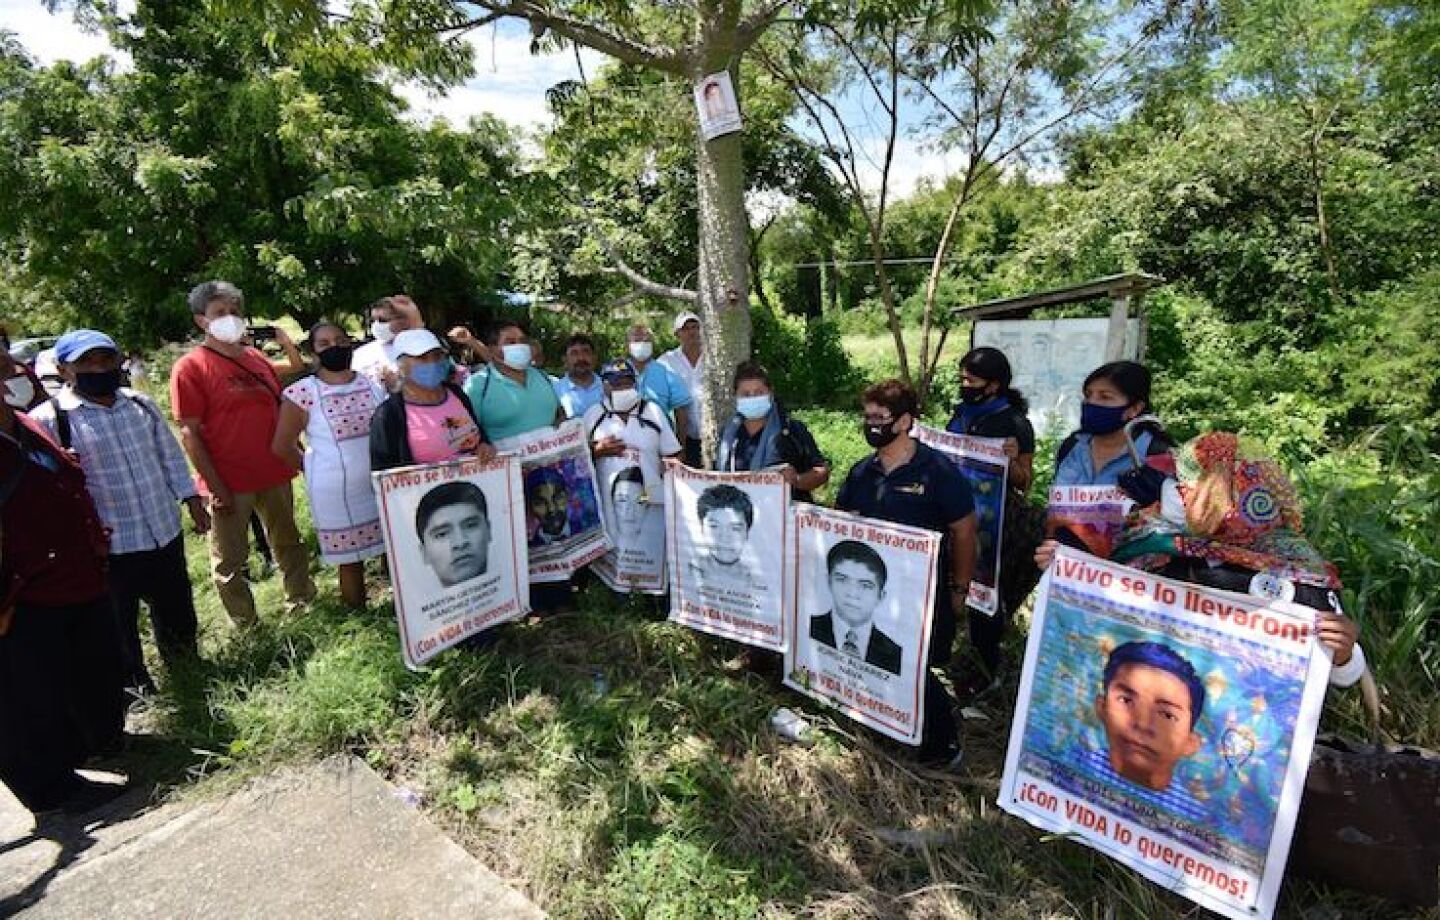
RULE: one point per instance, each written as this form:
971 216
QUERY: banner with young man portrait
983 463
455 540
727 538
1167 725
563 524
635 522
860 619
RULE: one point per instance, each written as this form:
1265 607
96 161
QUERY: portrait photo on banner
1169 726
563 523
634 514
727 538
455 540
983 463
864 594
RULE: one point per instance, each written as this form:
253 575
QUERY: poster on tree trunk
635 520
1093 515
1167 725
455 540
716 105
860 623
983 463
727 539
563 525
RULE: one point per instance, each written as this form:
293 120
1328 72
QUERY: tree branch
590 34
754 25
641 283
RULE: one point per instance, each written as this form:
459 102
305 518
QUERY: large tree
684 39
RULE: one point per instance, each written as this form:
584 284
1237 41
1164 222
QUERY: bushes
806 361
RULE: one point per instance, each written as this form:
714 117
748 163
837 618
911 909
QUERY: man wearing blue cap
135 471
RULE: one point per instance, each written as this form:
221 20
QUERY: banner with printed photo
635 521
727 537
860 619
983 463
563 525
1094 514
455 538
1167 725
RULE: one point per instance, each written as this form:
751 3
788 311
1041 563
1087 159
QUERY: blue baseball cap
616 369
77 342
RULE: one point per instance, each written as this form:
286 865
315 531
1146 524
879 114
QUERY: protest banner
1094 514
727 538
455 538
563 525
1167 725
635 522
983 463
860 620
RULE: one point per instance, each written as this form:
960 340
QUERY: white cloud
51 37
510 82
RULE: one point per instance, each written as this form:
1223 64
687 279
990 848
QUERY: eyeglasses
872 420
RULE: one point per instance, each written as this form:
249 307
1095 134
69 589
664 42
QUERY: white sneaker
790 726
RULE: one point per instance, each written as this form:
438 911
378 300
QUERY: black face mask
97 383
973 396
336 357
877 436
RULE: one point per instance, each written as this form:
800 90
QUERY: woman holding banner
428 420
906 482
990 407
332 408
761 435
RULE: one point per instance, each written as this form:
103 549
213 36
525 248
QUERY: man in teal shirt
511 396
658 383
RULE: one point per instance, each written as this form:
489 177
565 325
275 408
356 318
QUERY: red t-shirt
55 546
237 403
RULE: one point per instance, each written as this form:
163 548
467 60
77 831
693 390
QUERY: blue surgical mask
430 375
516 357
753 407
1095 419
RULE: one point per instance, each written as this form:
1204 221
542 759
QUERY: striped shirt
134 468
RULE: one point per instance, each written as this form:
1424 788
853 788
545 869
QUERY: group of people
92 482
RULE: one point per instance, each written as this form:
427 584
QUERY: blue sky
510 82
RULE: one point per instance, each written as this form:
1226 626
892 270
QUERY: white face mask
641 351
227 329
19 392
381 330
516 357
624 400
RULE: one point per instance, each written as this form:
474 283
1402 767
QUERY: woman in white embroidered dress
332 409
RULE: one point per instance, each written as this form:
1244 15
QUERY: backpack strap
62 423
1066 446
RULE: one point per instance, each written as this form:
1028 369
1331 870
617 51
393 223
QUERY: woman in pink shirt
429 420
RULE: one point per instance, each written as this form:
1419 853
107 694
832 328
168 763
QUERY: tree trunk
724 276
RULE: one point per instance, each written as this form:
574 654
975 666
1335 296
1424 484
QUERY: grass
663 797
875 355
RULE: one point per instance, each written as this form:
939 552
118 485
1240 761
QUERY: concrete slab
332 840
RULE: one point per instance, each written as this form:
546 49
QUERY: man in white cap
687 363
226 397
136 473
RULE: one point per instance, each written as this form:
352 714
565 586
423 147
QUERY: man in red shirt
61 695
226 397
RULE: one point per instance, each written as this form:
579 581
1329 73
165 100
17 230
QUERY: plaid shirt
134 468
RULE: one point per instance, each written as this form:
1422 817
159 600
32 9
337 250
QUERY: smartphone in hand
260 334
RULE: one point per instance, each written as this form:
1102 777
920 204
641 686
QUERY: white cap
416 342
683 318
